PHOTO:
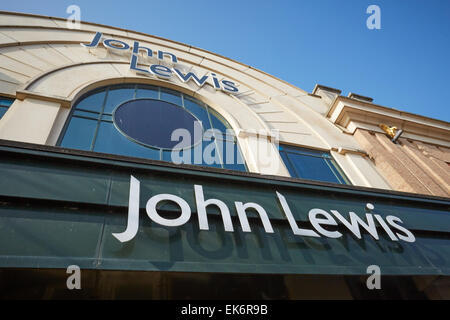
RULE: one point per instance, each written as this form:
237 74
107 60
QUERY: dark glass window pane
312 164
147 92
79 134
152 122
216 123
313 168
117 96
199 111
240 160
6 102
110 140
171 96
146 125
2 111
167 155
288 164
232 158
303 151
93 102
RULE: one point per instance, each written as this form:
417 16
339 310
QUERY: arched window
151 122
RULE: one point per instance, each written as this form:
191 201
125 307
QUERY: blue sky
405 65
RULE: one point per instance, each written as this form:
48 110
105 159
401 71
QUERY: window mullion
94 139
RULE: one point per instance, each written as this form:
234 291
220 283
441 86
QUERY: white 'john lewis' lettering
317 217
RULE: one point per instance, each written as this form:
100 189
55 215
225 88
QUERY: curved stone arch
264 101
122 59
41 77
47 85
30 21
281 106
240 74
232 70
226 106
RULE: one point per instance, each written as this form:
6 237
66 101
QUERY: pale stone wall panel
29 121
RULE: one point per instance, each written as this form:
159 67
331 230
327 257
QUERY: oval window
138 120
152 123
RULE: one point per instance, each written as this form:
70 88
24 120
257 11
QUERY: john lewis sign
322 221
158 70
62 207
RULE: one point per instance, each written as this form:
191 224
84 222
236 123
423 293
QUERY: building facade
166 171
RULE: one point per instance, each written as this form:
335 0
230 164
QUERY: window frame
338 173
99 117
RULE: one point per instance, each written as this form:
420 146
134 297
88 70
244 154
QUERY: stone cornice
354 114
25 94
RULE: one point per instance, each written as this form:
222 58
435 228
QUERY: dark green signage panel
64 207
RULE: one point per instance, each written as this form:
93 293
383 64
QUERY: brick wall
410 166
